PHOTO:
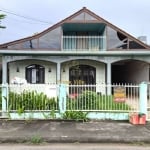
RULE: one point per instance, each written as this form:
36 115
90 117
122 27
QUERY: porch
51 101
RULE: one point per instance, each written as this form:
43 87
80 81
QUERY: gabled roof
86 13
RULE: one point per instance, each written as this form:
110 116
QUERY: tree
2 16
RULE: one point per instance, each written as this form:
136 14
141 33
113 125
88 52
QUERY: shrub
36 139
87 100
75 115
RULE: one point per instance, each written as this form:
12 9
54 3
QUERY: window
35 74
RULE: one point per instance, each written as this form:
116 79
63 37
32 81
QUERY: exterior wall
135 72
138 72
84 16
51 40
50 77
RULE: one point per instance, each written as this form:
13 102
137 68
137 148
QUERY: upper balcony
83 37
83 43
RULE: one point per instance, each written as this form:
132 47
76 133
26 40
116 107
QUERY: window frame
39 74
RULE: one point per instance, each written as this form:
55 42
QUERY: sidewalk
67 131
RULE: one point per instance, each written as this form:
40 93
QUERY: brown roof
69 20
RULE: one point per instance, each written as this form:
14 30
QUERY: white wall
50 77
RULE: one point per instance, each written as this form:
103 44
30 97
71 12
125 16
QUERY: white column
58 73
4 70
109 78
4 86
143 98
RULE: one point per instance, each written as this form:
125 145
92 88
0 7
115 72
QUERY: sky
27 17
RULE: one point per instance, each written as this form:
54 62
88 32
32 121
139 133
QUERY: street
75 146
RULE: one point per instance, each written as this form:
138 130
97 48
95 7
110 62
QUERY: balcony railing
84 43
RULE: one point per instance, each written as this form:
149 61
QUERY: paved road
75 146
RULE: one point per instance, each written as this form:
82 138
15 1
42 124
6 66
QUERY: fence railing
124 98
45 97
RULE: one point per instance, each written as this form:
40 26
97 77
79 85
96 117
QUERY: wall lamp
49 70
17 69
63 69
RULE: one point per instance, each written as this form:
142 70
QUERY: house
81 49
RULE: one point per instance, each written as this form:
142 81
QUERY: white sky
132 16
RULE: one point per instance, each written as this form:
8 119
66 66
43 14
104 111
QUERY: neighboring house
81 49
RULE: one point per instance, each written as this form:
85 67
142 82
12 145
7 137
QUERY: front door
82 75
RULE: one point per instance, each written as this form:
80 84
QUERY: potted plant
142 118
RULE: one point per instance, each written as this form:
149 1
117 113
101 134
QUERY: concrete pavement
19 131
74 146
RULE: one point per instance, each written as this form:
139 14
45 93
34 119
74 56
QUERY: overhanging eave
74 53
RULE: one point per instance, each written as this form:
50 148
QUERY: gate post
109 90
4 99
62 98
143 98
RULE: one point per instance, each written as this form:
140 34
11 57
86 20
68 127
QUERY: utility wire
20 20
25 17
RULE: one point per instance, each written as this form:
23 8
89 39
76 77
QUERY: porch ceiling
97 27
